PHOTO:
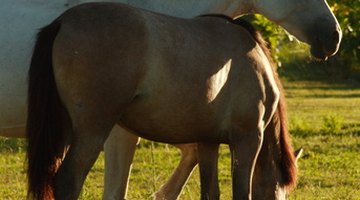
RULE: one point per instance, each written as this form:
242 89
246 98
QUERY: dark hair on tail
45 119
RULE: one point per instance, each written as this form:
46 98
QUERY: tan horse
311 22
103 64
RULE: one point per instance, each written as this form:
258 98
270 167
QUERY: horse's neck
186 8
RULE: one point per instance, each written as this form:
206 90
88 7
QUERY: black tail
45 118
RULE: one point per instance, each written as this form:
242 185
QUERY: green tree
347 12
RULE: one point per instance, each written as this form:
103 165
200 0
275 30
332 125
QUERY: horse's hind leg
86 144
189 159
208 165
119 152
245 146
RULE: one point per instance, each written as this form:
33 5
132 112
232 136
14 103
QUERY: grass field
324 120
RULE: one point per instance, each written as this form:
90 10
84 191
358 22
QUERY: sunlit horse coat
28 15
173 80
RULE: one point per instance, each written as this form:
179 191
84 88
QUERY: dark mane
259 40
221 16
288 160
251 29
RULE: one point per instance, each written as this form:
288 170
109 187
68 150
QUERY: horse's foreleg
172 188
84 150
245 146
208 165
119 152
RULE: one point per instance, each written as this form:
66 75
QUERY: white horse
20 20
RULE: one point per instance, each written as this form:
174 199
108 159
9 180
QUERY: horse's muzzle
325 43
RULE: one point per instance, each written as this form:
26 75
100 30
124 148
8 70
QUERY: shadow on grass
12 145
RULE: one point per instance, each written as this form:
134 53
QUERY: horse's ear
298 153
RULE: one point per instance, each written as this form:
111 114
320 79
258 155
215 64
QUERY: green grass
324 120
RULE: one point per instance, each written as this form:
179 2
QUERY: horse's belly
170 122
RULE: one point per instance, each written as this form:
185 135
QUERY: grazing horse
312 22
103 64
271 169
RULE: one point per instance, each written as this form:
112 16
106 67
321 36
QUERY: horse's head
311 21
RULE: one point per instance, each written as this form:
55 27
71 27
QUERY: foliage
347 13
